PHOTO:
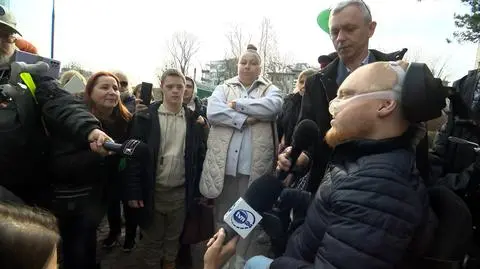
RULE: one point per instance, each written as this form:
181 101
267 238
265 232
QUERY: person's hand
303 160
139 106
284 164
201 120
288 180
232 104
135 203
96 139
217 253
281 148
252 121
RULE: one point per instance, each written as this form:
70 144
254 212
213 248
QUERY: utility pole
52 46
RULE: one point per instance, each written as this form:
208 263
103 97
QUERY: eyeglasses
124 84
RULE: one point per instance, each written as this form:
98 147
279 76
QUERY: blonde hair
252 50
305 73
172 73
68 75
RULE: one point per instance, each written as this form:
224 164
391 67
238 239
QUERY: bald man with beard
372 205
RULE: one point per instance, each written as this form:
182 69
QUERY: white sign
242 218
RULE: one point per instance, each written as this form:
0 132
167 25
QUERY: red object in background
25 45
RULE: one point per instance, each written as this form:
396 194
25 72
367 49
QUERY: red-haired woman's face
105 92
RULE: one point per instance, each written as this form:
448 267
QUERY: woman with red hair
103 98
84 182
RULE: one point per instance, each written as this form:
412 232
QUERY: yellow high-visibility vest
28 80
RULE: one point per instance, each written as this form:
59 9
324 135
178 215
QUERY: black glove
295 199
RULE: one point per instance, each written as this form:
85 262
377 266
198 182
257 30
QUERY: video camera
25 63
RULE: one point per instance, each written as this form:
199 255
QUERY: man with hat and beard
23 144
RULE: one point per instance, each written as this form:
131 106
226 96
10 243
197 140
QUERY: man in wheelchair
372 209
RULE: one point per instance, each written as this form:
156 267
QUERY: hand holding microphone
97 138
246 213
219 250
305 135
130 148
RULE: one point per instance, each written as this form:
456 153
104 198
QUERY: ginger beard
352 123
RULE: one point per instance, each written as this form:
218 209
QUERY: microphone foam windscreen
263 193
305 134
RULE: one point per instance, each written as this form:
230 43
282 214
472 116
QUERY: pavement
115 258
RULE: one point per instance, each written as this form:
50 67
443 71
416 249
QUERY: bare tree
268 46
437 65
168 64
237 41
77 67
182 47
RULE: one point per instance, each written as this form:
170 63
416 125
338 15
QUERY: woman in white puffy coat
242 142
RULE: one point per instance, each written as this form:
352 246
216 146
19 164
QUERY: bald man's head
378 76
367 105
122 78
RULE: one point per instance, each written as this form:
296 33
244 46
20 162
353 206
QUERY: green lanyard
122 164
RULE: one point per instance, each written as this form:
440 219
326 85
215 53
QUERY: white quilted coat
263 148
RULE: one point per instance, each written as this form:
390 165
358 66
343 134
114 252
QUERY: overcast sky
132 35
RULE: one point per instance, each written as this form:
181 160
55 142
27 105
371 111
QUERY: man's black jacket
320 89
24 170
141 174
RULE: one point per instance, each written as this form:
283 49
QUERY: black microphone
130 148
260 196
306 134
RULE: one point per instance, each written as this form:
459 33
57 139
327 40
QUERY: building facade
216 72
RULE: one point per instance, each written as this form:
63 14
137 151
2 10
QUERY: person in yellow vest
23 138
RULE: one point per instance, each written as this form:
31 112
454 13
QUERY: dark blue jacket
369 212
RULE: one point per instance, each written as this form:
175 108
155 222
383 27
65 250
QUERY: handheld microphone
305 135
131 148
245 214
